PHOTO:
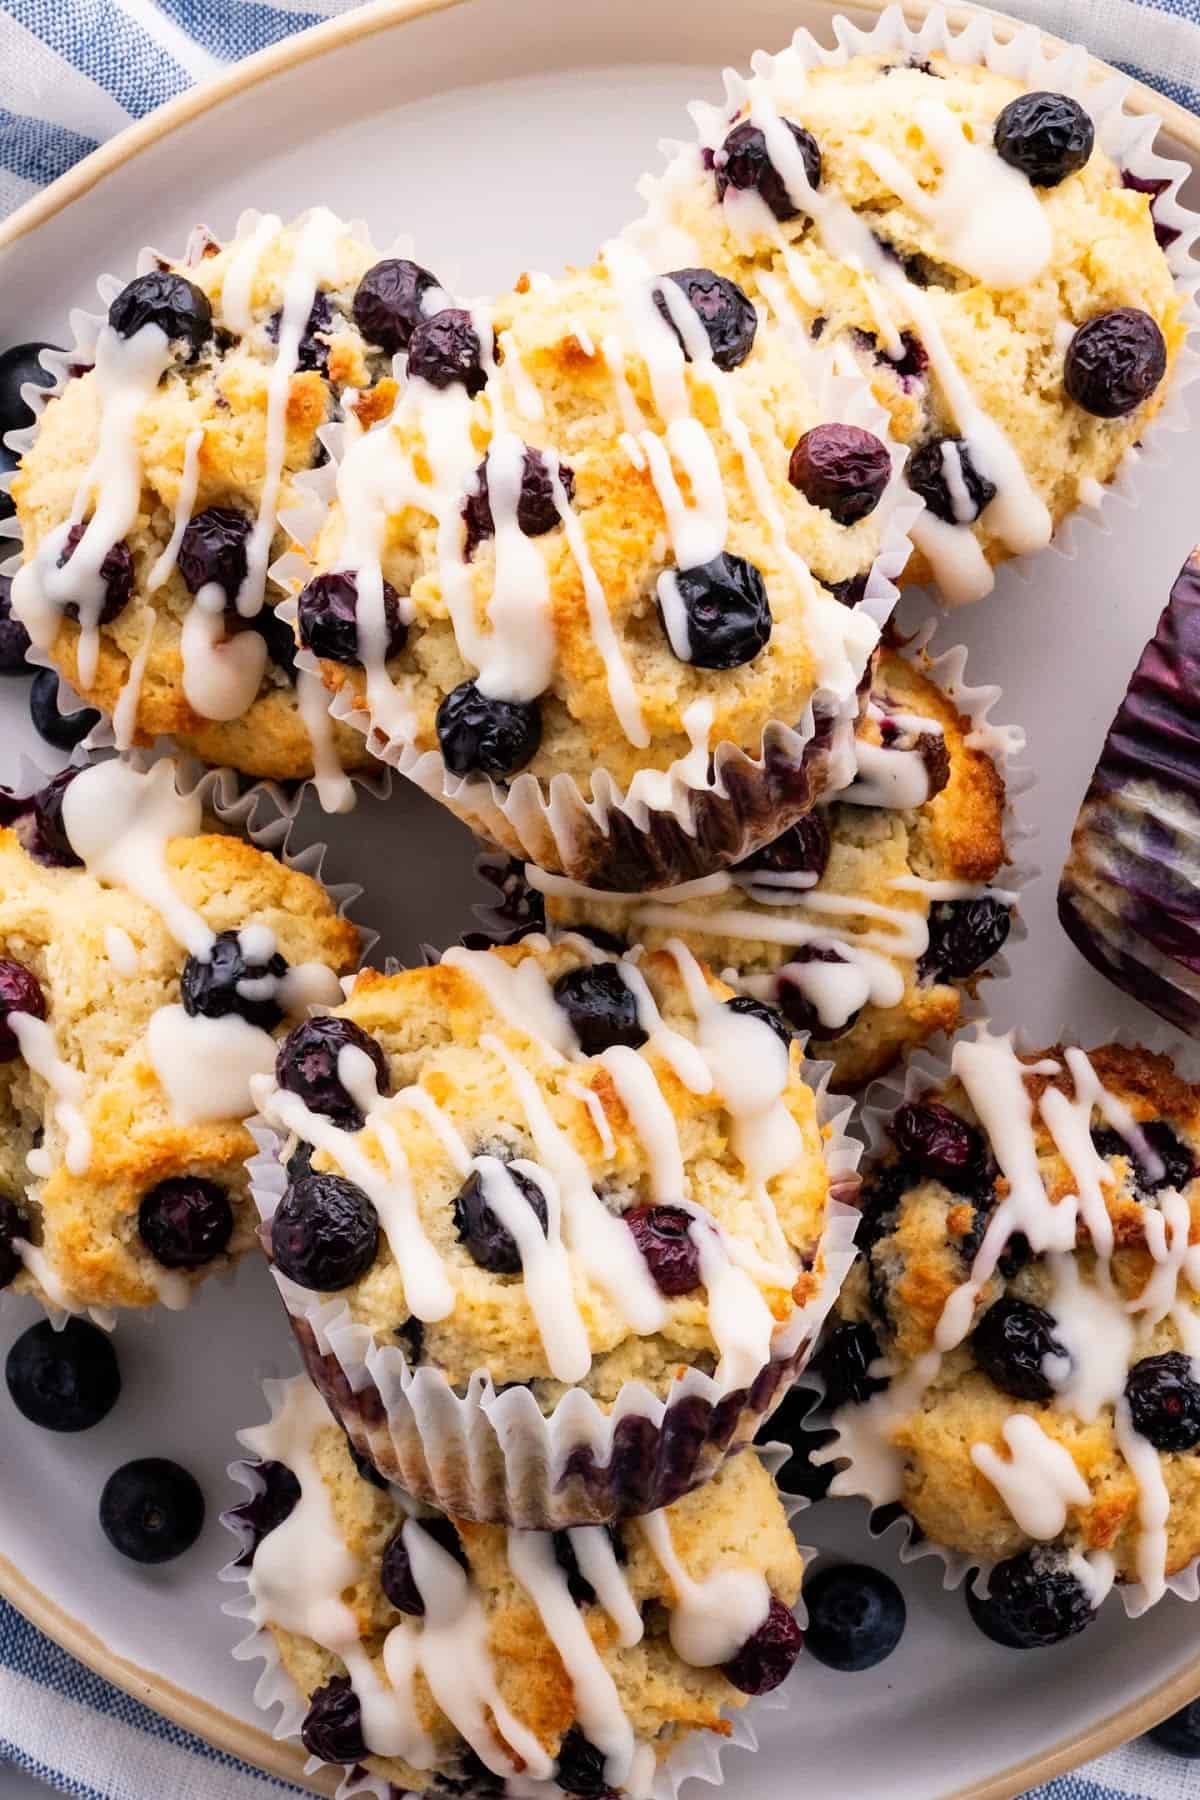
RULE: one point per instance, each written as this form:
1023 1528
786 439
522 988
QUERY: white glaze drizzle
713 1618
38 1046
121 951
335 791
1038 1482
205 1066
185 503
124 718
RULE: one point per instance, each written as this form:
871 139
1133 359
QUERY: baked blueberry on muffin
870 920
1014 1361
148 962
150 502
571 586
974 245
451 1657
570 1209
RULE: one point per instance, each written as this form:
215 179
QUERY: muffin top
1029 1282
427 1647
594 562
868 919
556 1167
150 503
146 960
997 275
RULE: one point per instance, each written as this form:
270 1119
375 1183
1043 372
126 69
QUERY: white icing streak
1038 1482
205 1066
37 1044
185 502
710 1619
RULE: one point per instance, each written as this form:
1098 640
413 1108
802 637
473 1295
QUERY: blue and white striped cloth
72 73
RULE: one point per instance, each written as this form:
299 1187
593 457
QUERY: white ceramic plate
506 134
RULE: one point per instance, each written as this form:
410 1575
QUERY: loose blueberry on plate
726 313
843 1362
537 512
389 303
275 1499
770 1016
19 365
940 1144
1011 1344
743 163
663 1235
842 469
324 1233
175 305
958 497
307 1065
446 350
48 842
767 1657
802 849
64 1380
1033 1601
63 730
601 1009
1046 136
1180 1734
488 1241
963 935
332 1727
116 572
1164 1401
327 615
856 1617
20 992
726 613
214 988
482 736
14 1229
213 549
396 1576
185 1222
1114 362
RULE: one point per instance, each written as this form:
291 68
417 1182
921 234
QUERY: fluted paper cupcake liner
493 1455
699 1757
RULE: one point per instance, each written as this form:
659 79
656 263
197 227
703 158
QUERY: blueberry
1033 1601
963 935
959 497
794 1003
446 349
388 306
63 730
1164 1401
800 1474
481 735
1046 136
116 572
727 315
64 1380
185 1221
214 989
727 616
578 1586
48 841
307 1065
1178 1163
8 462
1156 187
536 510
580 1771
856 1617
842 469
395 1571
169 301
364 1467
842 1362
767 1658
325 1233
908 367
769 1016
601 1009
20 992
279 638
411 1338
332 1728
327 615
742 162
1114 362
14 639
663 1235
18 365
312 352
1180 1734
940 1144
1011 1344
14 1229
213 549
803 849
490 1243
275 1499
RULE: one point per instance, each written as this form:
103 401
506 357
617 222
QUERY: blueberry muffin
573 575
1013 1361
972 244
151 502
451 1657
148 961
536 1195
869 922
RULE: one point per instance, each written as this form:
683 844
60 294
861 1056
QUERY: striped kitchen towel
73 73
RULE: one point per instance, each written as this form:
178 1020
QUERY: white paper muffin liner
1128 138
240 811
492 1455
887 1518
699 1757
335 795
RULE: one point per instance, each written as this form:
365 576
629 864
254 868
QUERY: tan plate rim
221 1729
